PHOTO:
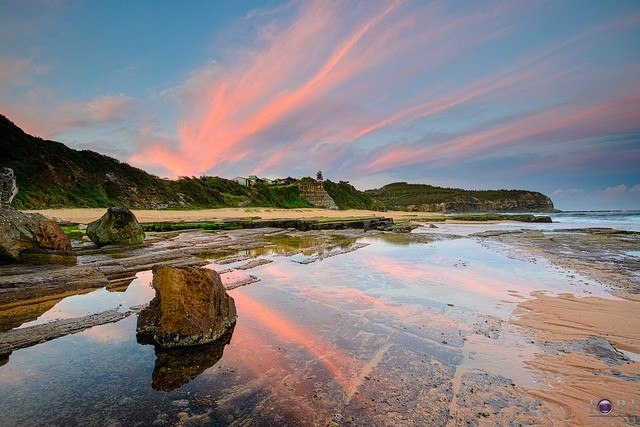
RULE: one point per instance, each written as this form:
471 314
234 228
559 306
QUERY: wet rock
26 337
33 283
594 346
488 399
32 237
8 187
117 226
191 307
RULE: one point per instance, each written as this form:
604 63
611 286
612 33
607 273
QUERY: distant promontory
52 175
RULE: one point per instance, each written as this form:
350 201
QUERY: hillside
50 174
427 198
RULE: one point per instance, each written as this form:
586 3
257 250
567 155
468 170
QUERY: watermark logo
607 408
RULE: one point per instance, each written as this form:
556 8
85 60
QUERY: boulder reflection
177 366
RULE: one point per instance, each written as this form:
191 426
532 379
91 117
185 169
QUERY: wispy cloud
253 110
537 132
333 89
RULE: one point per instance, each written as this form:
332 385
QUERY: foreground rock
32 237
117 226
191 307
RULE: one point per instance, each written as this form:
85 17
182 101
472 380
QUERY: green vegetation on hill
427 198
51 175
346 196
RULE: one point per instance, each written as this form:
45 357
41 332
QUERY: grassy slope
50 174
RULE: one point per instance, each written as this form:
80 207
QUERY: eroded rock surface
8 187
314 193
32 237
191 307
117 226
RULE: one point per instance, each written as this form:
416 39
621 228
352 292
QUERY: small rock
181 403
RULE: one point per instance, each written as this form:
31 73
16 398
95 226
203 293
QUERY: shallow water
374 336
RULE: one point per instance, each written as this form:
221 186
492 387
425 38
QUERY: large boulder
117 226
191 307
32 237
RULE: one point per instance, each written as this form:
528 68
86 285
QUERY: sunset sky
538 95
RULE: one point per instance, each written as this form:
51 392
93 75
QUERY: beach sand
85 216
580 378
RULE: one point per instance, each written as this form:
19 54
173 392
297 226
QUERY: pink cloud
109 108
265 87
541 130
305 66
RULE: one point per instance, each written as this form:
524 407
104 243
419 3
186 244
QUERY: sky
536 95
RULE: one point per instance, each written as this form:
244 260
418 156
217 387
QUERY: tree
319 176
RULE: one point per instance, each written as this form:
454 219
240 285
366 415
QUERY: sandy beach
85 216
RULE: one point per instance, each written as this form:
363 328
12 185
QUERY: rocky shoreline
26 291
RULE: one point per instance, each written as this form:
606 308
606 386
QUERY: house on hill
252 180
242 181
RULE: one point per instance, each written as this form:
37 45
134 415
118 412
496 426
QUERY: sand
579 381
85 216
566 317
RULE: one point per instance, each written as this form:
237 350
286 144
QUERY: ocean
620 219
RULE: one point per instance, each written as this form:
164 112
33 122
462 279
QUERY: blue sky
539 95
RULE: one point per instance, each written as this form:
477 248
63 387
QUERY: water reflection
120 285
374 336
177 366
18 313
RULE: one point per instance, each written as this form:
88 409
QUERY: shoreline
580 338
86 215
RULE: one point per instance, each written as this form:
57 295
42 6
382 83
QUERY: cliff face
314 193
526 203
